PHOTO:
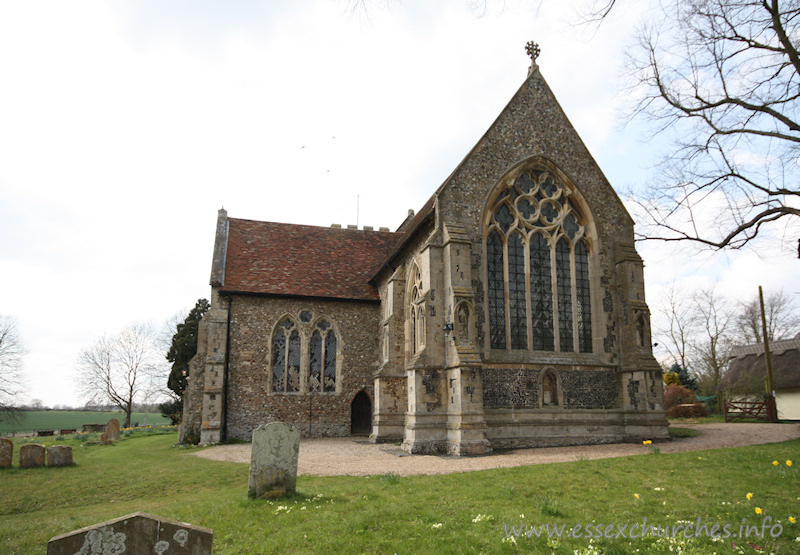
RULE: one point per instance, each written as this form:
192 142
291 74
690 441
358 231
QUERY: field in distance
31 421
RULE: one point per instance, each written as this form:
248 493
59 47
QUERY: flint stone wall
250 401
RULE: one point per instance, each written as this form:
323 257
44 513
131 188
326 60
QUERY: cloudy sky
126 125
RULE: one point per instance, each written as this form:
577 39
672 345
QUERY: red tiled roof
301 260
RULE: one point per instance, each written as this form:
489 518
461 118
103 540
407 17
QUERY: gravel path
356 456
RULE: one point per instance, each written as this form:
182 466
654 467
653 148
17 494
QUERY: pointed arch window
416 312
286 358
322 374
295 370
537 252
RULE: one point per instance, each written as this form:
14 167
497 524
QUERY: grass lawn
459 513
33 420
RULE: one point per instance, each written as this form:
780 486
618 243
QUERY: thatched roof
748 366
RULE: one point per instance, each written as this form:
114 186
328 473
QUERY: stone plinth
6 452
273 463
31 455
59 455
112 429
135 533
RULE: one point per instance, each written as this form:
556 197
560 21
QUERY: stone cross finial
532 49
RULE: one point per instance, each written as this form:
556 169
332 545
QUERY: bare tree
712 343
11 353
678 326
123 369
783 319
724 77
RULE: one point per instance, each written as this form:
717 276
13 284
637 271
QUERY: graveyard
145 471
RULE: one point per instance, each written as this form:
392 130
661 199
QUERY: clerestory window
538 268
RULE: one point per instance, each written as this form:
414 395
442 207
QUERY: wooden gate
758 410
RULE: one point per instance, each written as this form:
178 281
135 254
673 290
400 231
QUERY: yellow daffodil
788 463
759 511
792 519
775 463
647 442
749 496
636 495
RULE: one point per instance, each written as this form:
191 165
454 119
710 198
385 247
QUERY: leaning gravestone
113 429
273 463
31 455
135 533
59 455
105 439
6 452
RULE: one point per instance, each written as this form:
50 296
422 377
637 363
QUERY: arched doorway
361 414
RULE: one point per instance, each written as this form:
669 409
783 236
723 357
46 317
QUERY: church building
508 312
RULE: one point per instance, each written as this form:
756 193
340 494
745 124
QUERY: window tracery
537 254
291 369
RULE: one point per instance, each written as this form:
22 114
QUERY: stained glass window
290 369
564 295
330 363
497 305
315 373
278 361
541 294
516 293
583 298
538 267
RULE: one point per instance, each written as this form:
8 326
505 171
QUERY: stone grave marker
31 455
273 462
105 439
59 455
135 533
112 429
6 452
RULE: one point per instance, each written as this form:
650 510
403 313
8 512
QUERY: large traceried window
537 258
290 369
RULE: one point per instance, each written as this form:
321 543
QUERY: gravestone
31 455
59 455
135 533
112 429
105 439
273 462
6 452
